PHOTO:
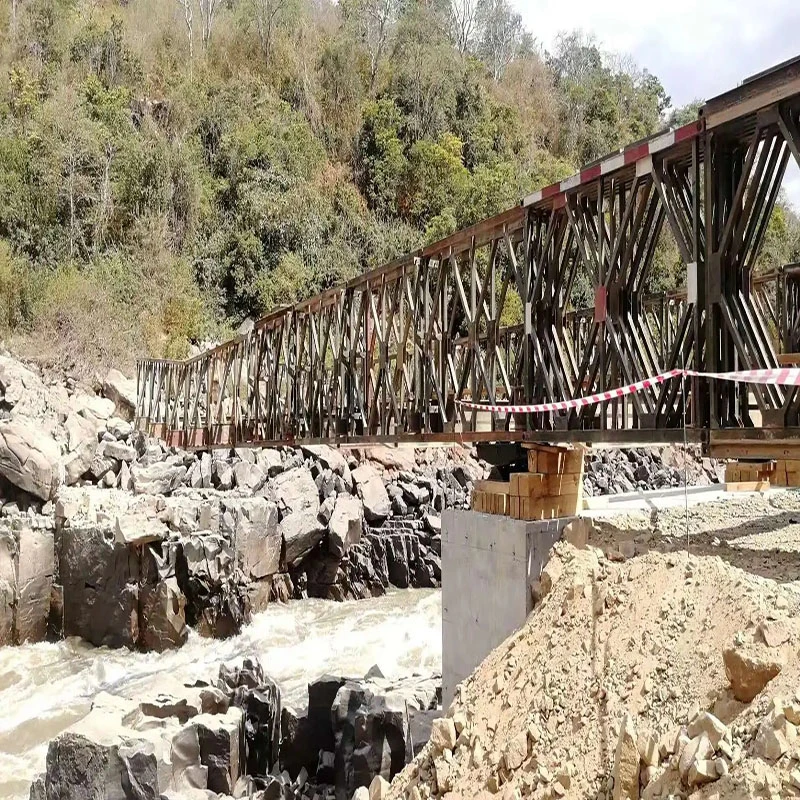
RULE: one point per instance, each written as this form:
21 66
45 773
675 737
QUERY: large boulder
373 493
398 458
262 725
293 491
302 531
345 524
8 582
29 458
221 738
122 392
256 536
328 457
100 579
35 568
626 763
80 768
270 461
217 604
81 447
749 669
162 477
163 616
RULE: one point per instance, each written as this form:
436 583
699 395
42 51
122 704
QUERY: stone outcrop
232 731
122 392
30 458
373 493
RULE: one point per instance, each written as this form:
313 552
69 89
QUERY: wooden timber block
747 486
493 487
513 507
539 508
558 460
540 484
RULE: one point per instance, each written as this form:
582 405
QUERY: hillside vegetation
168 167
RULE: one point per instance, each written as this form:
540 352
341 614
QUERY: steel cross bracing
388 355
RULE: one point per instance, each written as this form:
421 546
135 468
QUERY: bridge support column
489 565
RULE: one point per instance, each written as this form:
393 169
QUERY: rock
248 477
262 725
257 536
696 749
138 529
122 392
101 587
298 744
328 457
81 447
29 458
163 616
326 510
702 771
34 580
709 725
119 451
301 531
270 462
293 491
774 737
516 752
378 788
749 669
221 748
399 458
626 763
345 524
443 734
81 769
222 474
373 494
163 477
774 632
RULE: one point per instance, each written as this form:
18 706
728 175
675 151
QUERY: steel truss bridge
388 355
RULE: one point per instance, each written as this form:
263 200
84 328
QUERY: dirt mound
624 681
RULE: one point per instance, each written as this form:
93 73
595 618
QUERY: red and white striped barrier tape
789 376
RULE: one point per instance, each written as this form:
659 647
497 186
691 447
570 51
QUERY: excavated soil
629 635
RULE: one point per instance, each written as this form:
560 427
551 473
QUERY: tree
270 15
463 23
208 11
188 18
373 22
683 115
426 73
501 35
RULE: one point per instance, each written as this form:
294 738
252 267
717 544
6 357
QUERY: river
46 687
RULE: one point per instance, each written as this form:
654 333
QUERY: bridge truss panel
389 355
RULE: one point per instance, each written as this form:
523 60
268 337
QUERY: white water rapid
46 687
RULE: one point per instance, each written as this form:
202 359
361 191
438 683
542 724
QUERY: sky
697 48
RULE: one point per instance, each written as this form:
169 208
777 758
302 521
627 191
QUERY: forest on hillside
169 167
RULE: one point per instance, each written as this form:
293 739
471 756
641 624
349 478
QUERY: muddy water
46 687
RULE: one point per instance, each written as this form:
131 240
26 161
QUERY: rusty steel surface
387 356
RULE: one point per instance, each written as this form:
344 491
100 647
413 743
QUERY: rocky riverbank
109 535
231 734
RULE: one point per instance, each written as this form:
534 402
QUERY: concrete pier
489 564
